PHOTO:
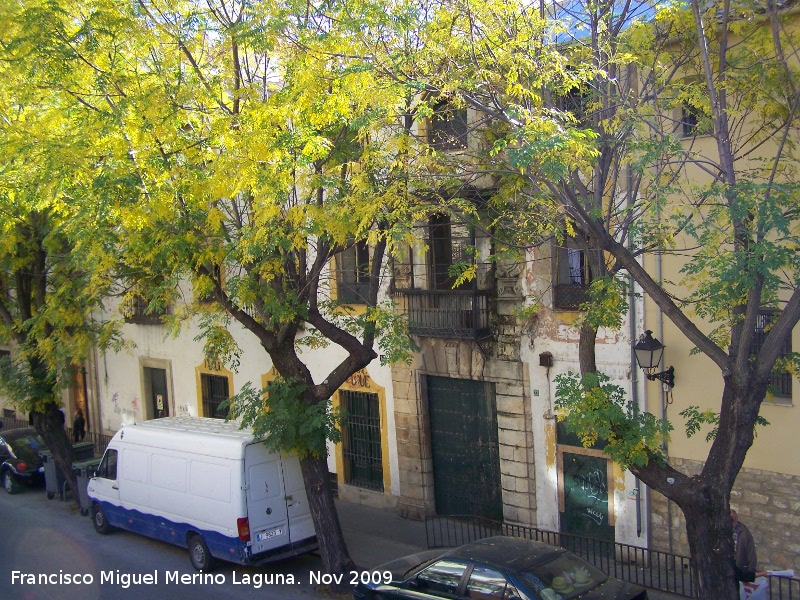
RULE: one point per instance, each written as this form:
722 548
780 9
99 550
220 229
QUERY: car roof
13 434
515 554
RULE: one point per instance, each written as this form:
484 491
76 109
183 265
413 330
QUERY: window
780 385
442 577
486 584
448 127
572 274
353 278
361 439
576 102
694 121
689 120
215 392
136 311
450 243
108 466
567 575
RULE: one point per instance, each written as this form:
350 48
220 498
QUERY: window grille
572 276
689 120
361 440
353 281
450 243
448 127
780 385
137 313
215 392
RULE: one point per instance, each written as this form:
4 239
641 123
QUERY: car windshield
26 447
563 578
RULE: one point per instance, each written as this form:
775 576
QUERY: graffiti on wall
121 409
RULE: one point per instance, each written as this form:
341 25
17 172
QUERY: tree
254 151
53 273
583 114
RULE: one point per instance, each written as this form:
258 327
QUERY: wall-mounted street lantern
648 354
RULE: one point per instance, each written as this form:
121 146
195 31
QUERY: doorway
465 447
156 392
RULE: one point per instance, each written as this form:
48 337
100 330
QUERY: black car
20 461
497 568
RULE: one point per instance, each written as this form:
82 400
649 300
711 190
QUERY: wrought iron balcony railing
568 296
455 314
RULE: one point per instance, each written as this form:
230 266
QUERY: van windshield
108 466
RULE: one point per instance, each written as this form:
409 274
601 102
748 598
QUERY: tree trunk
586 349
335 558
50 426
710 534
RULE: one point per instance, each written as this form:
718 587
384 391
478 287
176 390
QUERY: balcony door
450 243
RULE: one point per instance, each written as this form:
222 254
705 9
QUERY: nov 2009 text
255 580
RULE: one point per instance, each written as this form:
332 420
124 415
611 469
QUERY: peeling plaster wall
554 332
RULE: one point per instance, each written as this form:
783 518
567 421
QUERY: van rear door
301 524
266 503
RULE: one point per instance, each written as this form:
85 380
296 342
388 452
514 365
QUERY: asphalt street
48 550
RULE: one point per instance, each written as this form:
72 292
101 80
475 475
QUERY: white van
206 485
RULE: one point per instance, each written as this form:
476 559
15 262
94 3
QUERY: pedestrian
744 548
78 426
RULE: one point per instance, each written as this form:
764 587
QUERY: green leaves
697 418
282 415
607 304
595 409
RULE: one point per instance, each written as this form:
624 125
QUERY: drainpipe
635 394
662 393
634 364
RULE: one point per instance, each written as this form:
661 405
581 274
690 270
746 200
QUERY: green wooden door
464 447
586 495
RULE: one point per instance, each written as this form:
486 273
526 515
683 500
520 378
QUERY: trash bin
54 480
84 471
83 450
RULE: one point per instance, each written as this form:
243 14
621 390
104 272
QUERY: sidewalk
375 536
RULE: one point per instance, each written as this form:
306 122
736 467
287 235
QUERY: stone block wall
768 504
459 359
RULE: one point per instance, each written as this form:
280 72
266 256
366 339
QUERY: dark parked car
20 463
498 568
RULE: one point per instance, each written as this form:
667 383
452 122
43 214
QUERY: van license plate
265 535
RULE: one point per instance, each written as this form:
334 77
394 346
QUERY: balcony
450 314
569 296
136 312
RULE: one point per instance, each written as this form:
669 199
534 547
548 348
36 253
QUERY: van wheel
199 555
101 525
10 483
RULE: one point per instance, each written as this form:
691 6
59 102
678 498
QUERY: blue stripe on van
153 526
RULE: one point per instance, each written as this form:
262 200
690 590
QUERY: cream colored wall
698 382
121 390
698 379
